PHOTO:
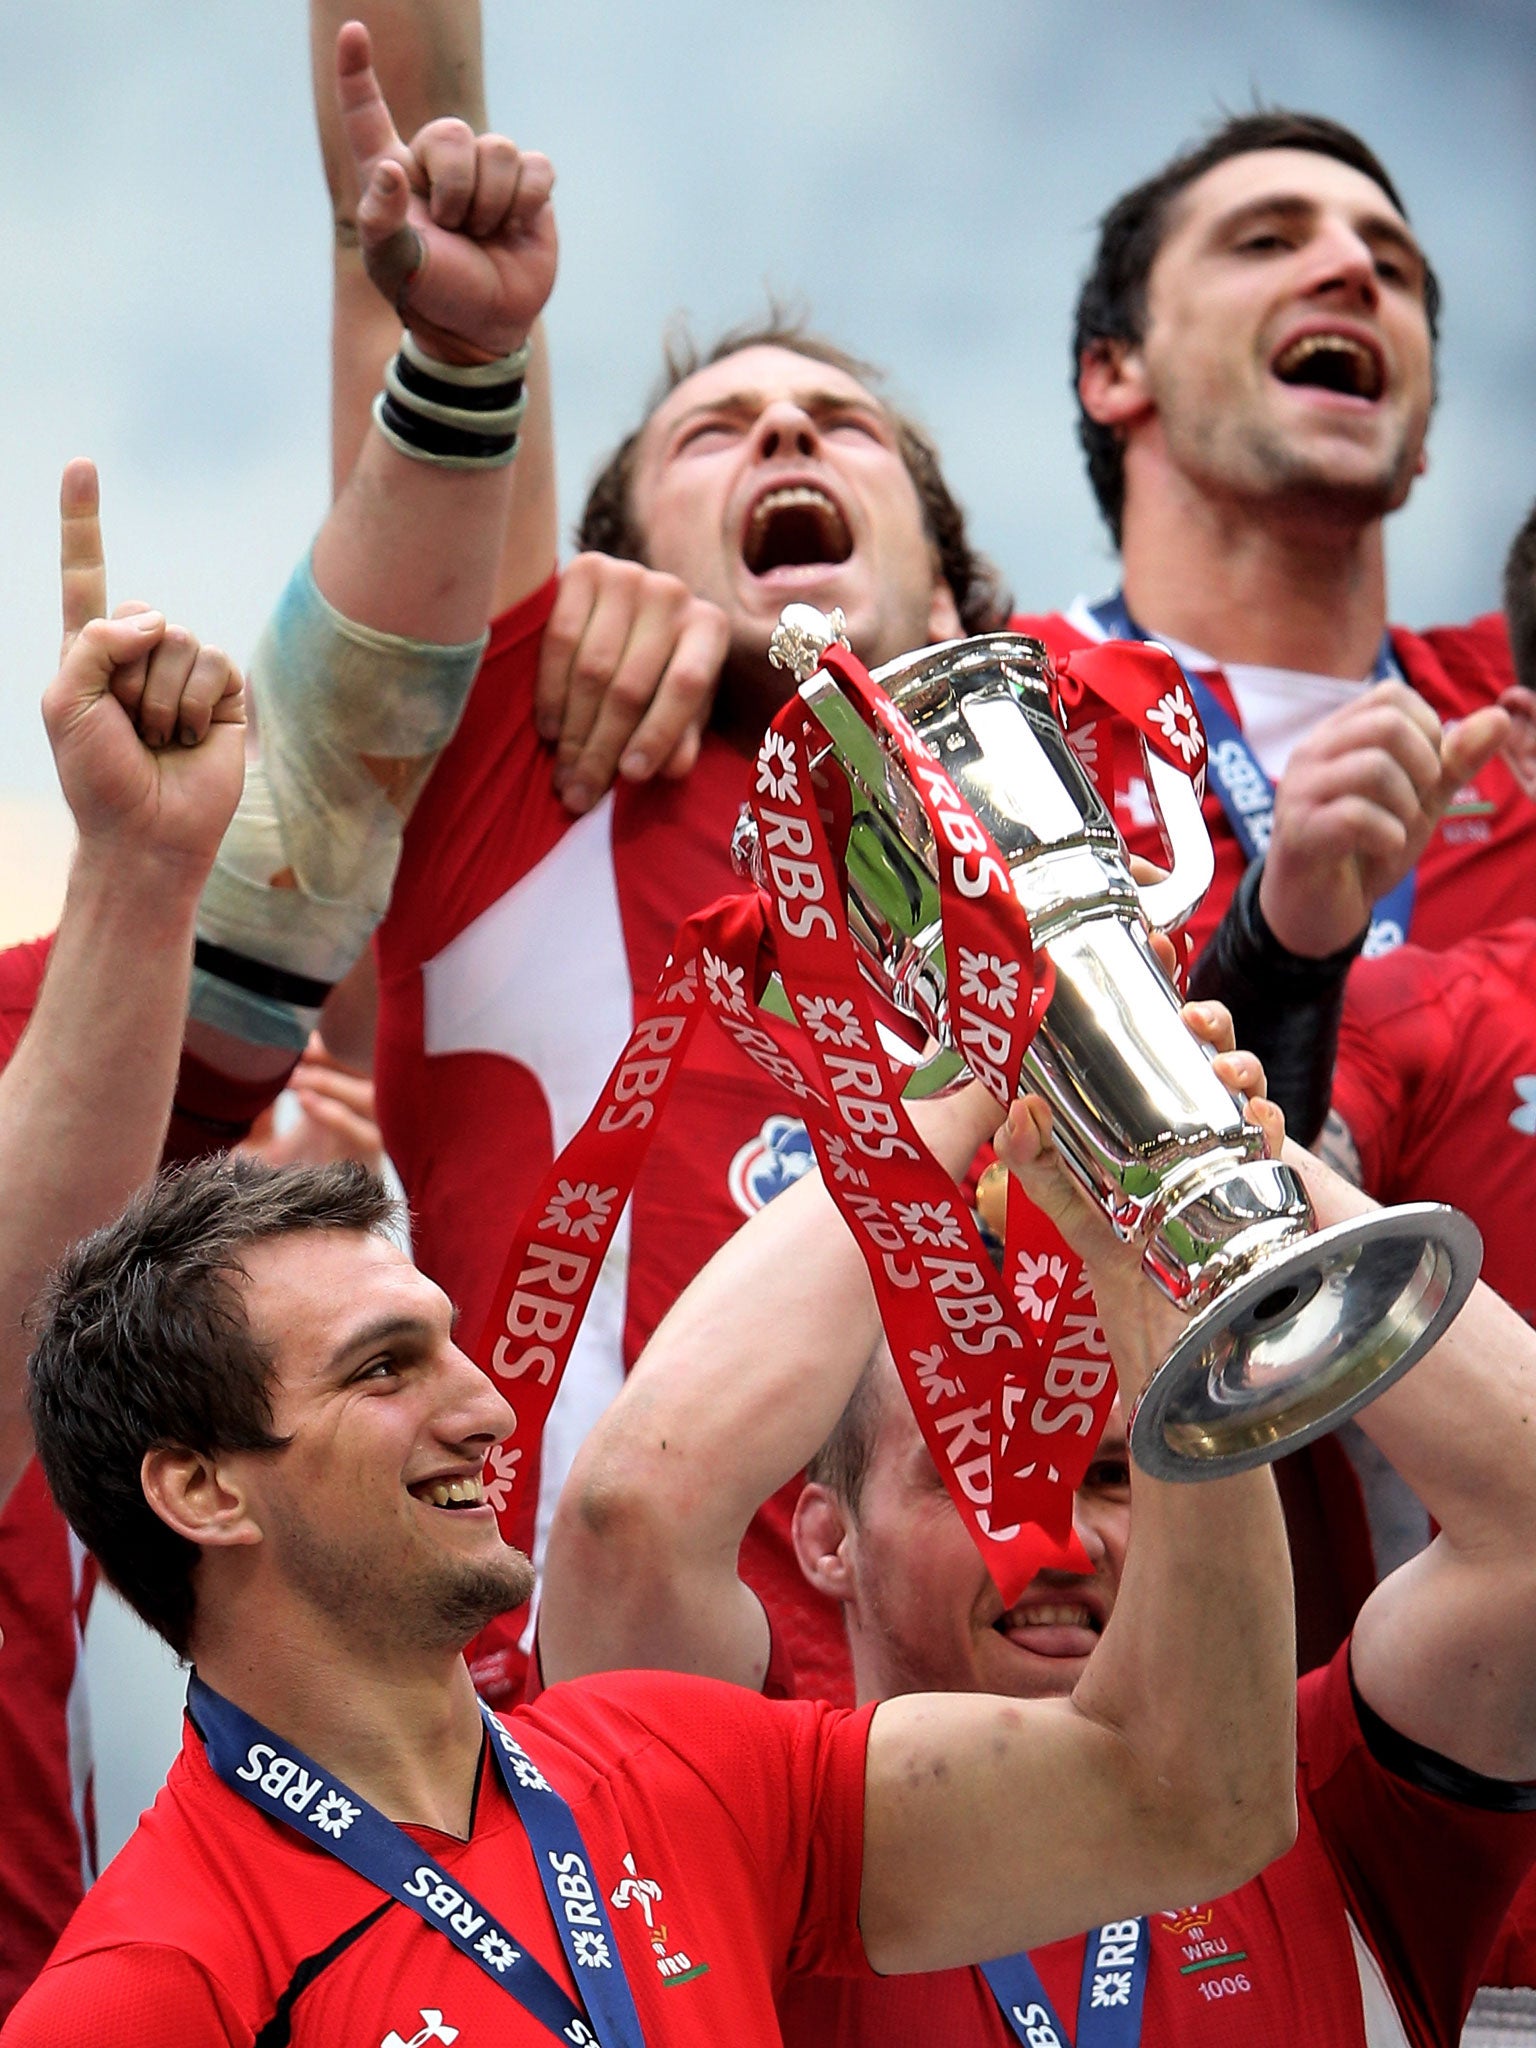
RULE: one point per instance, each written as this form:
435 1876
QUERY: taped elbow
351 721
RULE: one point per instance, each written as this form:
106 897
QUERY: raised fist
456 229
147 725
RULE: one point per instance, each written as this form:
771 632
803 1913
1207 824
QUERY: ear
1112 383
1520 747
197 1497
821 1530
943 613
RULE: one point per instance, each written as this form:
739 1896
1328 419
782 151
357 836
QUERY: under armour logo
432 2029
1524 1118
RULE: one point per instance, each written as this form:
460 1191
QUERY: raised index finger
82 564
366 121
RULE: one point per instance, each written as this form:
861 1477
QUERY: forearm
1030 1822
1196 1669
740 1385
429 60
418 550
1169 1774
360 679
410 548
751 1367
364 670
352 718
85 1100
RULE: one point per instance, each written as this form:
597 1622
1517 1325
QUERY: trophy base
1304 1340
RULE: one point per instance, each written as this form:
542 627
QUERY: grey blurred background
926 179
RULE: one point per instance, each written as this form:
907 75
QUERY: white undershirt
1277 707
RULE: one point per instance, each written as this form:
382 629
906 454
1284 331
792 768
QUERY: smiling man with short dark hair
1253 360
252 1404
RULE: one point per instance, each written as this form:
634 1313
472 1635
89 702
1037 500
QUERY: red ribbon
1146 686
1009 1379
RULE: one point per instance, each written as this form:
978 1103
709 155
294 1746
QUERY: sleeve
1393 1037
829 1748
489 812
1476 657
1428 1876
138 1997
783 1786
1284 1007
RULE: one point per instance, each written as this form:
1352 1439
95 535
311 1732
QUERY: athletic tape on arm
349 723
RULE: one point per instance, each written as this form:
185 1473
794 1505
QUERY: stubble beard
436 1607
1297 483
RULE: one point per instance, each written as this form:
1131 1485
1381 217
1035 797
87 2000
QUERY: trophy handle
1167 903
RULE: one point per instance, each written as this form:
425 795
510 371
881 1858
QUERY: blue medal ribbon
287 1786
1247 795
1109 2004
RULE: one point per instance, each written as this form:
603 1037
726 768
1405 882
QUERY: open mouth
450 1493
1332 362
1062 1628
796 526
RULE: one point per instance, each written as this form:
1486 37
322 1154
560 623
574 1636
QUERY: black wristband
260 977
459 415
466 397
453 445
1255 951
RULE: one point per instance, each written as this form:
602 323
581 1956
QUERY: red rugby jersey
726 1832
1368 1933
45 1590
1479 867
1436 1078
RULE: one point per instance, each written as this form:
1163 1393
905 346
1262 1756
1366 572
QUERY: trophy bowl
1291 1328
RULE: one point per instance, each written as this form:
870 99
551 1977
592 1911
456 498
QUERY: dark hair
1520 600
1112 305
842 1463
608 521
142 1343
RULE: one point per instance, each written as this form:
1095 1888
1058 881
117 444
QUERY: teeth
444 1493
1052 1617
815 529
793 494
1367 378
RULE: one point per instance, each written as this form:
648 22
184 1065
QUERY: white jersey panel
542 977
1383 2026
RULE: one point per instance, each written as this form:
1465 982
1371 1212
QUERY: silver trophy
1291 1328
